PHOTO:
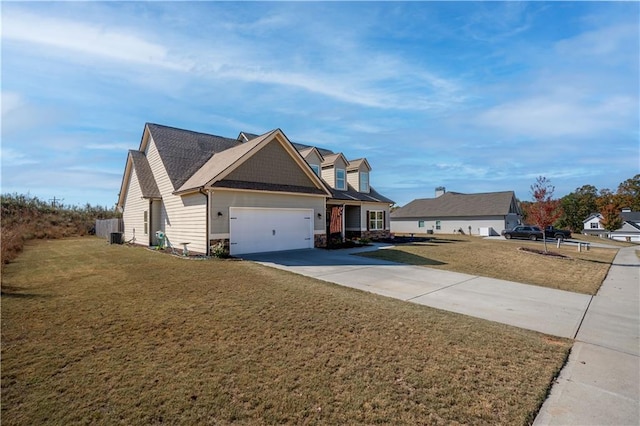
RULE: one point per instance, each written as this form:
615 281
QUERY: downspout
207 230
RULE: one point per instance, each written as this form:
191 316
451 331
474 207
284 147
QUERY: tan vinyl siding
184 218
329 172
222 200
272 164
329 176
133 214
313 158
353 178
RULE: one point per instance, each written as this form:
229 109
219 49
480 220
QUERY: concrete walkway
600 383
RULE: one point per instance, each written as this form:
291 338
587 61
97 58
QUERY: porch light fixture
219 214
319 215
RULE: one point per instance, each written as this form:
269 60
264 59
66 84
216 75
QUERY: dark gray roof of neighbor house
631 216
148 184
352 195
183 152
452 204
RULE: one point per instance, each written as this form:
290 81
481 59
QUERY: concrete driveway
536 308
599 385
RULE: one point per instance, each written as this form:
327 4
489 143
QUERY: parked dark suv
523 231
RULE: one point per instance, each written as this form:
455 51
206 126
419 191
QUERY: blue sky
476 97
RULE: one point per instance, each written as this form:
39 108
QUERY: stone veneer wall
320 240
374 235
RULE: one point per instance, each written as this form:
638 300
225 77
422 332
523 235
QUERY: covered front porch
350 221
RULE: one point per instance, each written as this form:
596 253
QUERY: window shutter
368 221
384 220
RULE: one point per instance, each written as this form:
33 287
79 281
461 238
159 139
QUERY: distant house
452 212
629 231
253 193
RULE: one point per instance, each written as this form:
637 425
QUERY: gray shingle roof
631 216
183 152
219 161
146 180
323 151
453 204
352 195
263 186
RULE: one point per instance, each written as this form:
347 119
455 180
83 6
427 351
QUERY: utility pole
55 200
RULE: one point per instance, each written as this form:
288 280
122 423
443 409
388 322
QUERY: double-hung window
364 182
341 181
316 169
376 220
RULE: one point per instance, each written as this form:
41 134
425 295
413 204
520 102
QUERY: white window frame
315 168
364 181
421 224
145 219
597 225
438 225
376 220
343 179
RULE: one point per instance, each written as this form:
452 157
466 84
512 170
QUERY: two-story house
629 231
253 193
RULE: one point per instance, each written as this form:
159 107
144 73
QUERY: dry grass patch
582 273
93 333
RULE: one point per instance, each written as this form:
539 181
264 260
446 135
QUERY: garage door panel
254 230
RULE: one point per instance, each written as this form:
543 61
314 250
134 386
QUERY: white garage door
256 230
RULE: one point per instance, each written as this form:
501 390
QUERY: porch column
344 221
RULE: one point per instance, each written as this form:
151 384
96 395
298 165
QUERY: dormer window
316 169
364 182
341 181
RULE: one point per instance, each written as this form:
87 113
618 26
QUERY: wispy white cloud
13 157
112 43
121 147
11 101
370 79
551 116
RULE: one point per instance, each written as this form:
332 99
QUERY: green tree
544 211
577 206
629 193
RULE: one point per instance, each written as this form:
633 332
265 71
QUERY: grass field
583 272
93 333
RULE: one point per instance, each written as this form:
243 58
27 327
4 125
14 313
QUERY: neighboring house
452 212
629 231
253 193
